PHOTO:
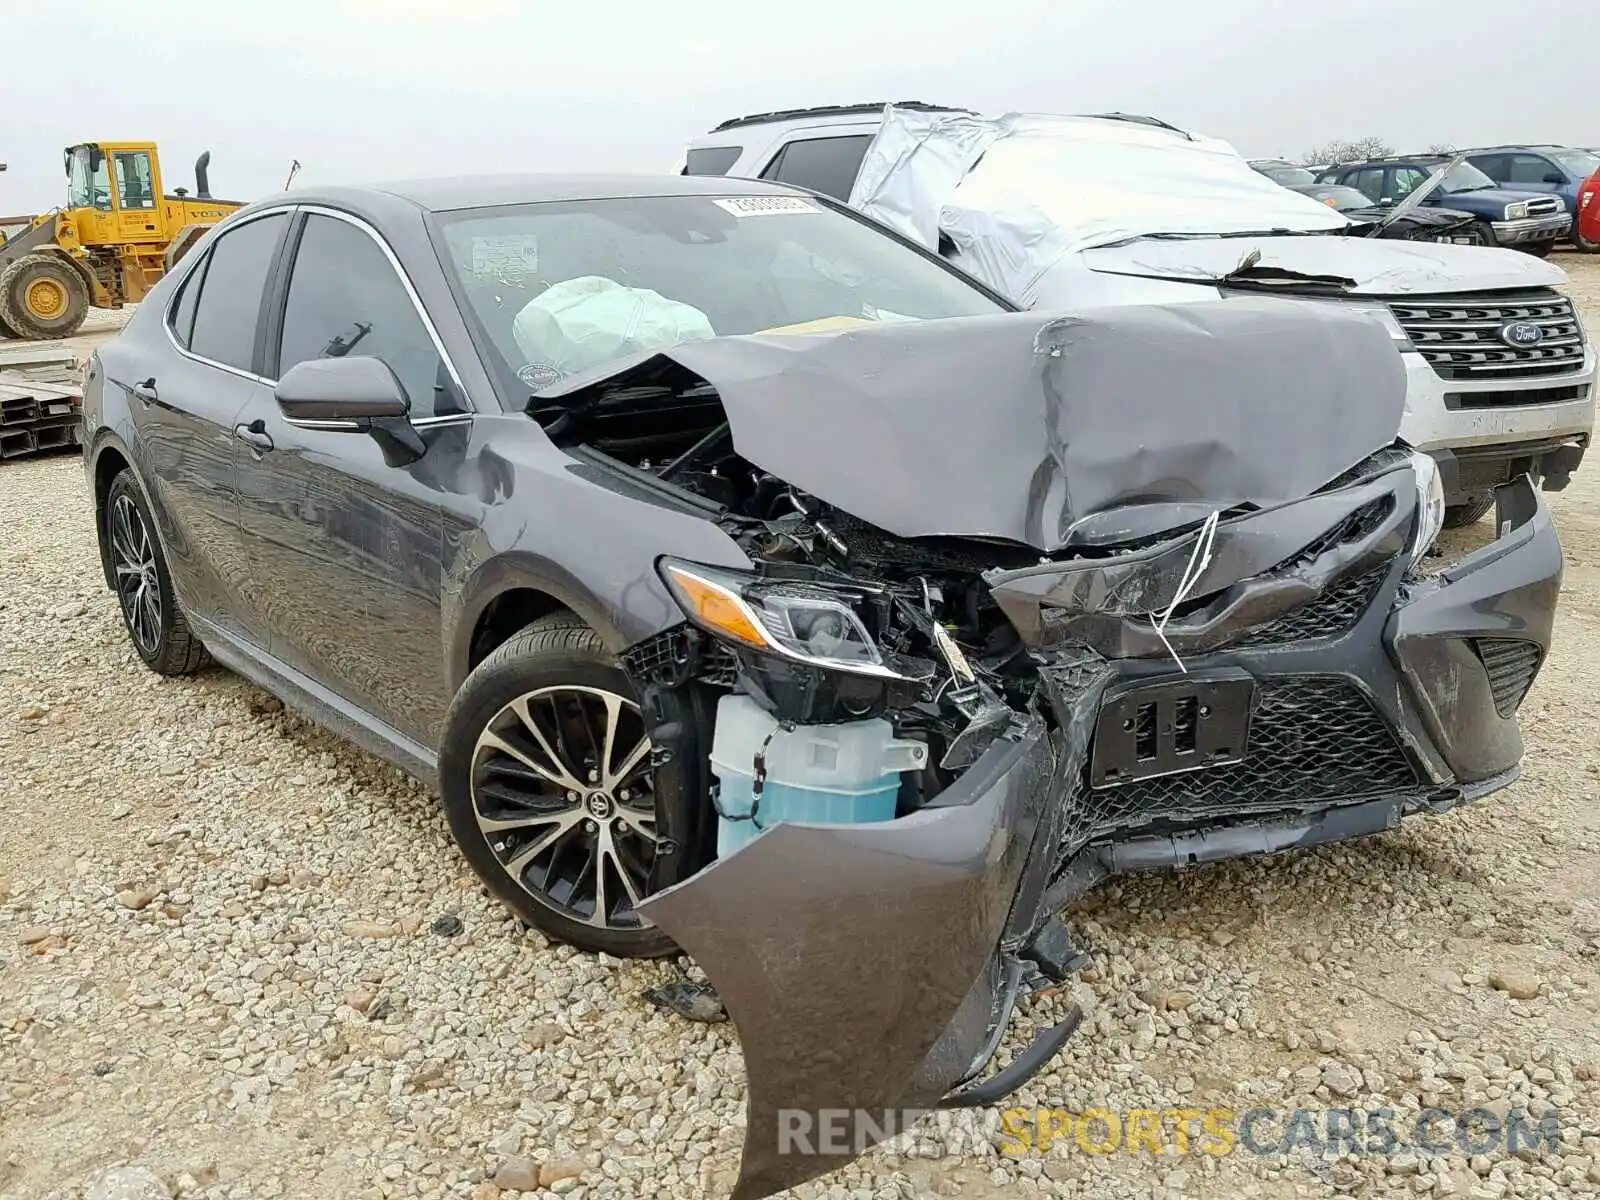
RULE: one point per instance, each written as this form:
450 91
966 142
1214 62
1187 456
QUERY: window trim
205 257
277 292
281 301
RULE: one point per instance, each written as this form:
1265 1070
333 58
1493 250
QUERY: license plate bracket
1174 725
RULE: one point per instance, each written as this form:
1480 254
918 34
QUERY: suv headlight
1430 503
805 622
1517 211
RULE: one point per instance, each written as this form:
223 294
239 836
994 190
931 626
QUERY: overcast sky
386 89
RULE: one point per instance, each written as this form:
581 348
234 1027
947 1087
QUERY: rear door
186 396
350 547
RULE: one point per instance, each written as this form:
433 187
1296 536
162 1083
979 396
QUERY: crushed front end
1245 654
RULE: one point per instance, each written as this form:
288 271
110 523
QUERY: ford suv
1500 374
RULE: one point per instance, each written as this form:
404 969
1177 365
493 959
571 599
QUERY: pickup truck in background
1500 373
1513 217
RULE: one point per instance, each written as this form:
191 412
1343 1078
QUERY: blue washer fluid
843 774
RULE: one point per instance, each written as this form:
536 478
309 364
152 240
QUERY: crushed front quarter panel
846 953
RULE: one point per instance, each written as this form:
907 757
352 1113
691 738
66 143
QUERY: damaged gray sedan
749 581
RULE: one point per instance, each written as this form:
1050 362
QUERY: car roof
485 191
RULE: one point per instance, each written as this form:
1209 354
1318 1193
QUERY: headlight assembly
1516 212
1430 503
805 622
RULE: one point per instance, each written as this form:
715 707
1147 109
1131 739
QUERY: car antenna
294 169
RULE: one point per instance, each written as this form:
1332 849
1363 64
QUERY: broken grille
1460 335
1511 664
1331 614
1313 742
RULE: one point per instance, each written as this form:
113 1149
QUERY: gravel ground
239 958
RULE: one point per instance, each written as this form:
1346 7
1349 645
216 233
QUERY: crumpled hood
1018 427
1374 266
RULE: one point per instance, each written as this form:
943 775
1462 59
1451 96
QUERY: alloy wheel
133 556
564 795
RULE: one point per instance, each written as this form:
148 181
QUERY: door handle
254 435
146 391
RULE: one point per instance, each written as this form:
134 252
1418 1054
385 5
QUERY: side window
826 165
183 305
1494 166
1526 168
134 186
345 298
229 304
1368 181
1405 180
712 160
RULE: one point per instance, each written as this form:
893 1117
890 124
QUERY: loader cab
114 192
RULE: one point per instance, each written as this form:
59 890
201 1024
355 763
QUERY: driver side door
346 547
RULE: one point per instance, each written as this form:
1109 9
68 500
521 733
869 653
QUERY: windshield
1582 163
1463 177
88 186
1288 174
563 287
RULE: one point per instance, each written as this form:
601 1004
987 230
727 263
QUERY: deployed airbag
579 323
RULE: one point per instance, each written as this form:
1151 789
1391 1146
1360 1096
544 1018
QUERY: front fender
857 961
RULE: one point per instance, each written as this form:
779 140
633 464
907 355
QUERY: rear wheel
1458 516
42 296
150 611
550 791
1586 245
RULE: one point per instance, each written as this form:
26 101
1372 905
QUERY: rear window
712 160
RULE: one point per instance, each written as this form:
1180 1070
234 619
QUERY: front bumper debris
871 969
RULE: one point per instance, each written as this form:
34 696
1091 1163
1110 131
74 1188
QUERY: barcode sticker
512 255
766 206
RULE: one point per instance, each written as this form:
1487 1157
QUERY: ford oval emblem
1522 334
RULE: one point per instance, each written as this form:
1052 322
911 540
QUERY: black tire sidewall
166 651
1467 513
487 690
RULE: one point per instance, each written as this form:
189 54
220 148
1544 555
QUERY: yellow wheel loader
117 236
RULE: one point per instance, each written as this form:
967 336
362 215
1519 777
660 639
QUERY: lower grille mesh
1512 664
1313 742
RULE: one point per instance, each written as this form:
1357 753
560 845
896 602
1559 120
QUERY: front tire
42 296
549 789
1538 249
150 612
1486 235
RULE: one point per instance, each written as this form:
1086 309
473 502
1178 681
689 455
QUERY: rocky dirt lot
241 959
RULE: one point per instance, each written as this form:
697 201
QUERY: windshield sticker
766 206
513 255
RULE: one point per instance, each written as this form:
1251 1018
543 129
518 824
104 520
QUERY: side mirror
360 389
1554 177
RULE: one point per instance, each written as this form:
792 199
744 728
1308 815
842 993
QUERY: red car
1588 232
